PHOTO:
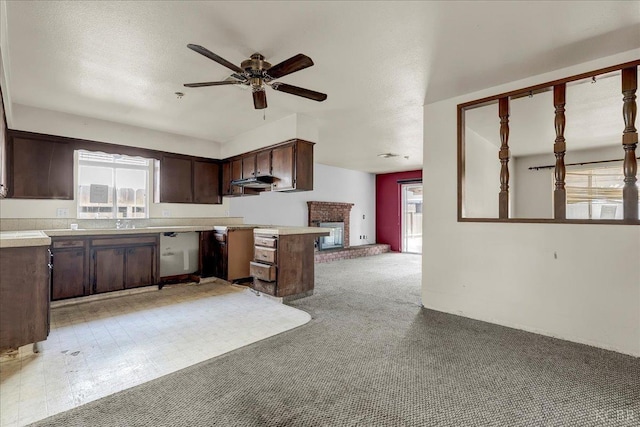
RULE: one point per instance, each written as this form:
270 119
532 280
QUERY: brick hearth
353 252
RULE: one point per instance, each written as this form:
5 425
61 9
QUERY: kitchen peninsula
91 261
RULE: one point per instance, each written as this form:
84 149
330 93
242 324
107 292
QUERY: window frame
518 93
148 168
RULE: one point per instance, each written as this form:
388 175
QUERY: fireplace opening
335 239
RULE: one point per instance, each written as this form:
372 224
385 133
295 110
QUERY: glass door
412 218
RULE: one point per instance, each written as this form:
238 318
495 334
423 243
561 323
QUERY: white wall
292 126
575 282
331 184
533 189
57 123
482 177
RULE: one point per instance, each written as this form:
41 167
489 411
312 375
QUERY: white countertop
281 231
66 232
12 239
16 239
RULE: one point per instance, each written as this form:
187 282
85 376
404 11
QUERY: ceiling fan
258 73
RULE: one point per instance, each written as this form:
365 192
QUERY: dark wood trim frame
4 151
542 87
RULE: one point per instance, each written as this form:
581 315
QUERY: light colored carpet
371 356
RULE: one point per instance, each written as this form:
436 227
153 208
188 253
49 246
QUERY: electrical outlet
62 212
166 213
362 216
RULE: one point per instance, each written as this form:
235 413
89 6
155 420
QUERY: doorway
411 215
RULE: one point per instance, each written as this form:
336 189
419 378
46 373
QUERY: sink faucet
124 224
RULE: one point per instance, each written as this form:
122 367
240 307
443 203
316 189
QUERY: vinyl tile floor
101 347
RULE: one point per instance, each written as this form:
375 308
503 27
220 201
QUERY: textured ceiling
379 62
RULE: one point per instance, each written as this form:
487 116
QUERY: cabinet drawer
220 237
121 241
265 287
261 271
269 242
265 254
57 244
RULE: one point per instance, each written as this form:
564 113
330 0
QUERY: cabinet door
282 159
108 269
236 173
226 179
139 266
221 259
207 254
24 296
175 180
68 276
249 166
263 163
3 150
40 169
206 182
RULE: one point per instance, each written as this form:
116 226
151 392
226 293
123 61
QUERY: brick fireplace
330 212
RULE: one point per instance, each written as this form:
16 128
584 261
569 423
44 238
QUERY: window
594 193
112 186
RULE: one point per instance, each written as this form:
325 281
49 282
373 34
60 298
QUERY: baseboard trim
525 328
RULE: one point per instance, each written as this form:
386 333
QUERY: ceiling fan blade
206 52
295 90
224 82
260 99
291 65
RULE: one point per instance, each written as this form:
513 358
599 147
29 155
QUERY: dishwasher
179 253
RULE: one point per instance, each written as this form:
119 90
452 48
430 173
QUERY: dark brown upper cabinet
233 169
176 174
283 167
263 163
236 173
289 162
248 166
39 168
292 166
184 179
206 182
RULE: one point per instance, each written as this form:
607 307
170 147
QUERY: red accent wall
388 205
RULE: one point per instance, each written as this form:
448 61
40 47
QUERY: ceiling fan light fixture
256 73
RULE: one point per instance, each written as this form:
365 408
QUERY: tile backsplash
13 224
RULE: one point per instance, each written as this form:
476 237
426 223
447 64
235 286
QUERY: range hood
264 181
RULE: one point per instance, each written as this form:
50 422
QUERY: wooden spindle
629 143
503 155
559 149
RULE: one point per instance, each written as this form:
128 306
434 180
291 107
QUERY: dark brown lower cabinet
232 251
139 266
68 274
119 263
283 265
24 296
108 270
